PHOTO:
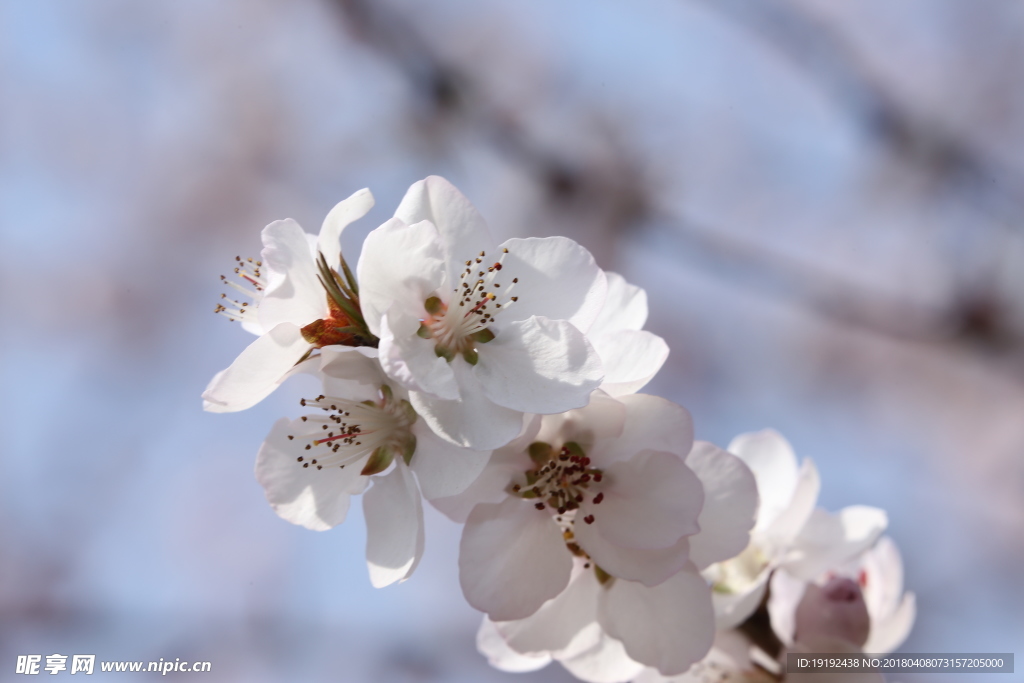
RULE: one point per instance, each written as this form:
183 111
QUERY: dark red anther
589 519
496 266
598 498
597 476
539 506
585 461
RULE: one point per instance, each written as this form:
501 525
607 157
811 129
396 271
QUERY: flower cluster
499 382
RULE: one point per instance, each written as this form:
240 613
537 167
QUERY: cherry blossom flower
860 602
479 333
362 430
606 482
302 297
790 533
605 629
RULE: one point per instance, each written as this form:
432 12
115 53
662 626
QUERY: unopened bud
833 611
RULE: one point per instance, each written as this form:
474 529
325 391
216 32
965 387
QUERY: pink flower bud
835 610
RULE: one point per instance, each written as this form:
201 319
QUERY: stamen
249 271
561 478
355 429
458 326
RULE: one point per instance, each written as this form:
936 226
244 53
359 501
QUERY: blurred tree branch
448 92
831 62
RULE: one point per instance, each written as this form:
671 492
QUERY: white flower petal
625 307
473 421
492 484
394 526
649 567
631 358
347 211
351 372
784 597
463 234
603 418
411 361
828 540
293 294
492 645
883 570
553 627
774 465
400 267
558 279
538 366
649 502
651 423
669 627
784 528
730 504
315 499
889 633
442 468
605 661
512 559
257 371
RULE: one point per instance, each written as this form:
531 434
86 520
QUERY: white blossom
361 429
301 299
872 583
606 629
479 333
790 533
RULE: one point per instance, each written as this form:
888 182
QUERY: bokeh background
824 200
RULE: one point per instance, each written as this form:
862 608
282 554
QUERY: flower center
351 431
458 326
251 286
739 573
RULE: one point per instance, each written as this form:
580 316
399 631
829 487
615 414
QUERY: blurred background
824 201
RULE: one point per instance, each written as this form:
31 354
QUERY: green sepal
482 336
387 393
408 448
379 461
603 577
424 332
410 412
540 452
528 494
352 284
305 356
346 300
471 356
446 353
